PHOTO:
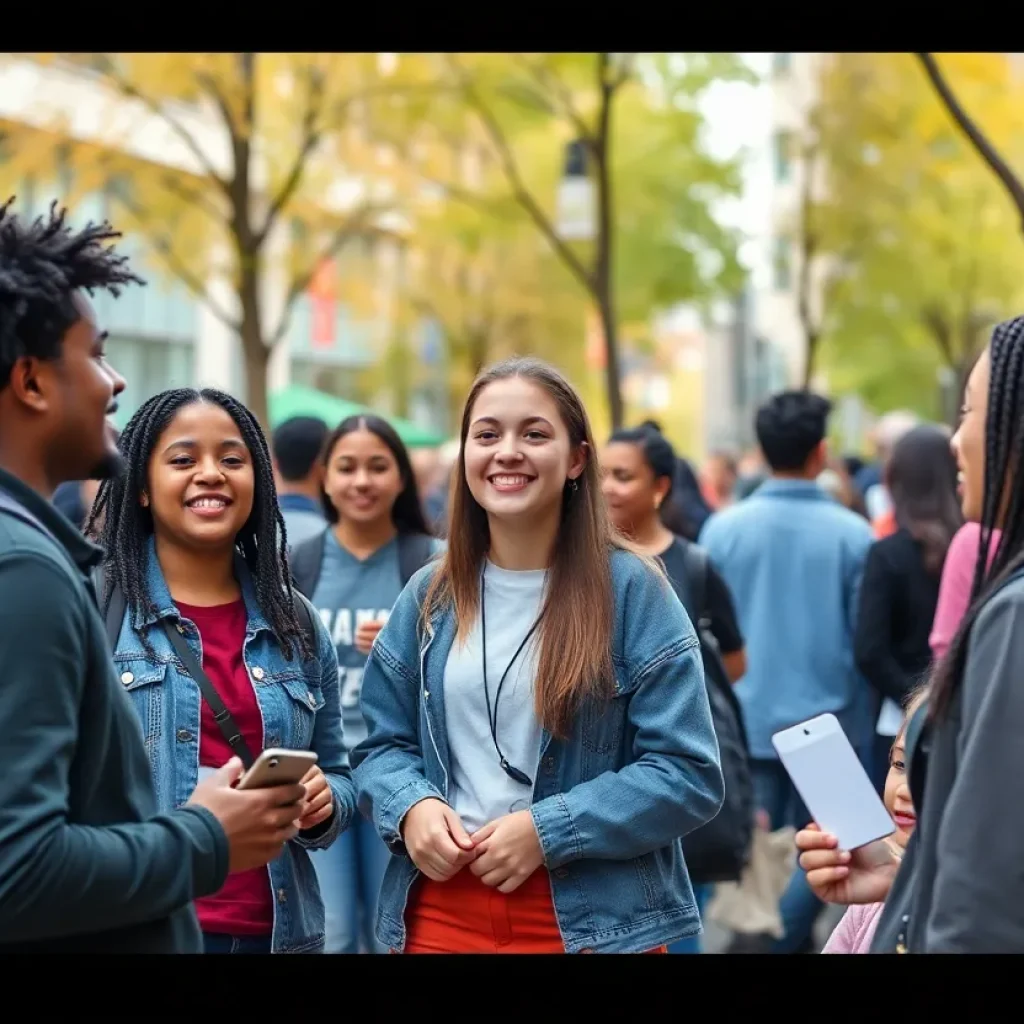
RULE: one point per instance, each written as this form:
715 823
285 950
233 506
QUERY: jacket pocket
604 721
143 682
303 703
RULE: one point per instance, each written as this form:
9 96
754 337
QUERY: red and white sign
323 300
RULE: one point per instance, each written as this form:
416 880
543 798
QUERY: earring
144 501
574 486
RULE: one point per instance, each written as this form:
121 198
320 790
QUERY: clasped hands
503 854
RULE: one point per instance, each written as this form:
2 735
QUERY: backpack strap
696 561
14 508
414 551
306 560
112 605
304 613
10 505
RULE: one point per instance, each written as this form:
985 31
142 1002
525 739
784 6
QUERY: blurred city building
163 335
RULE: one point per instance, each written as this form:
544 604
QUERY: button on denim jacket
610 803
301 707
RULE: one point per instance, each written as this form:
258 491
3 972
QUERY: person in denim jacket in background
539 735
191 536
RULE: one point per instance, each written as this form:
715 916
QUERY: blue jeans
215 943
350 872
692 943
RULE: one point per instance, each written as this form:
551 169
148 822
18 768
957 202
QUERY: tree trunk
257 361
248 252
603 258
812 339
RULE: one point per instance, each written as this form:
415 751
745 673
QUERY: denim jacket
610 803
301 708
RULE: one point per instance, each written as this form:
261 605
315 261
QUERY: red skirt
463 915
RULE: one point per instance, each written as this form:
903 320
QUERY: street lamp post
576 199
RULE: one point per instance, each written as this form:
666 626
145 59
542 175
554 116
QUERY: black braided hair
659 454
42 264
127 526
1004 488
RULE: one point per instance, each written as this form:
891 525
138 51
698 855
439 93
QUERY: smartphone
277 767
832 782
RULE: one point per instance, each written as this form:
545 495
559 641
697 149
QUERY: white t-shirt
479 790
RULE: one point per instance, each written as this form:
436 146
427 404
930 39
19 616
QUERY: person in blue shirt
793 558
297 445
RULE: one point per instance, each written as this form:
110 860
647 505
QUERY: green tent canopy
300 401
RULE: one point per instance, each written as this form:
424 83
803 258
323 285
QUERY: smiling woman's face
517 452
201 479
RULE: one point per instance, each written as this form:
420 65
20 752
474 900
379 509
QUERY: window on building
783 155
150 366
781 62
782 264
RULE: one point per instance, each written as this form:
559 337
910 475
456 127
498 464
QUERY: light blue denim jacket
610 804
301 708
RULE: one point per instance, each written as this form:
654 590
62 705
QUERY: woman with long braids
196 548
960 888
539 731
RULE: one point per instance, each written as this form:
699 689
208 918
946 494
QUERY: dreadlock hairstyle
42 265
127 526
1004 492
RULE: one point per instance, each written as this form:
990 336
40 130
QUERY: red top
244 905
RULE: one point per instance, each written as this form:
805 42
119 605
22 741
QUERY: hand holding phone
277 766
846 877
832 782
256 822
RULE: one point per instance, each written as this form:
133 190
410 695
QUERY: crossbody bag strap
224 719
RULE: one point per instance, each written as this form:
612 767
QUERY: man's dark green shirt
86 862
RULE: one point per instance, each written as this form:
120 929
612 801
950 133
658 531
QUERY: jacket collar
82 552
805 490
162 606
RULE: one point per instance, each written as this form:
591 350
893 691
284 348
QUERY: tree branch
310 139
547 78
934 320
809 251
161 242
625 71
194 197
985 149
213 89
511 168
354 225
109 70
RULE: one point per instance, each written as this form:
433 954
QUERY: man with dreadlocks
86 862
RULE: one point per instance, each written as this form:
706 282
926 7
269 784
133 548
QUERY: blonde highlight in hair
575 656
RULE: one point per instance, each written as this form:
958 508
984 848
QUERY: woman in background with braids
960 888
196 543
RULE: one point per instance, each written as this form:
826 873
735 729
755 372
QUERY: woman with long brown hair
539 731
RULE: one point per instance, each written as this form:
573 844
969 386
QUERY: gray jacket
960 888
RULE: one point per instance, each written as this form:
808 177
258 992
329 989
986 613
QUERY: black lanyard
492 720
